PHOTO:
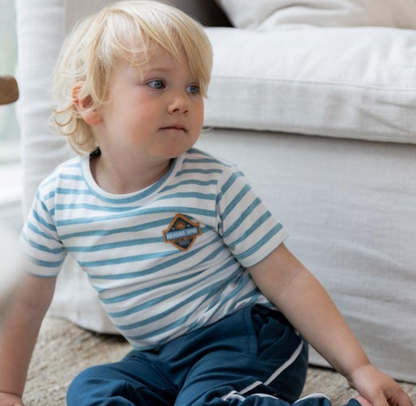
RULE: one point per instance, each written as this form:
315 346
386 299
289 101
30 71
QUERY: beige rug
63 350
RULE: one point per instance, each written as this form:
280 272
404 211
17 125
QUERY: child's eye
193 89
156 84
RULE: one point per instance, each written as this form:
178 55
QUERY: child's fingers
363 401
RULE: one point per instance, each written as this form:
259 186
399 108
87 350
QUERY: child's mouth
175 127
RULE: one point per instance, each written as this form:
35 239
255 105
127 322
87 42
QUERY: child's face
158 114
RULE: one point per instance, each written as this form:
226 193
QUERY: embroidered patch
182 232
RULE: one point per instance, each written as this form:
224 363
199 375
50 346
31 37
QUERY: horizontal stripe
198 152
189 195
74 165
237 199
200 161
252 295
208 290
47 183
76 192
41 247
157 268
50 196
53 177
241 285
161 299
139 292
45 264
230 182
195 152
201 171
217 301
143 212
93 207
115 245
33 228
246 213
42 204
126 260
261 243
258 223
190 182
132 229
42 221
71 177
164 329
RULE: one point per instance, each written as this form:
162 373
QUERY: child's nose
179 103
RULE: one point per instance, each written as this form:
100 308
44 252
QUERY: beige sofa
320 115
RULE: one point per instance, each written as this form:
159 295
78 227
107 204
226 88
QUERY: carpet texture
63 350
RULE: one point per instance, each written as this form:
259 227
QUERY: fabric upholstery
350 209
290 14
338 82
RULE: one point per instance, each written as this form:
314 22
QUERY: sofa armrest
9 91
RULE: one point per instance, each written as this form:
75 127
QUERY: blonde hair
128 30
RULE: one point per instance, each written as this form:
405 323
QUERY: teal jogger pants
253 357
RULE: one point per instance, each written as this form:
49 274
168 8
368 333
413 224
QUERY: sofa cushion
355 83
267 14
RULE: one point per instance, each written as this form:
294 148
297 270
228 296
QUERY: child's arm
303 300
18 334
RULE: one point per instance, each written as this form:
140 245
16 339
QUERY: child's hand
6 399
378 388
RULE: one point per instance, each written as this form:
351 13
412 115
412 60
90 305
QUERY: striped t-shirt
165 260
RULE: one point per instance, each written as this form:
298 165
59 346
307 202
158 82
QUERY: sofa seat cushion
357 83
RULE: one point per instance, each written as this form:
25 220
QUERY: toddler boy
188 263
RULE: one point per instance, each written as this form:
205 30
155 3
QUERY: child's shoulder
197 156
70 168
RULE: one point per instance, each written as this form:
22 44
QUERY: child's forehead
162 58
159 59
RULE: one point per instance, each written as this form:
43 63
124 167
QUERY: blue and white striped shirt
158 275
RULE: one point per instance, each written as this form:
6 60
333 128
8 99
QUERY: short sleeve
246 226
40 241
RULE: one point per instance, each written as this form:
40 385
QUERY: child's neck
123 178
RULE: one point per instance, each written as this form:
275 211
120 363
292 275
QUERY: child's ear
82 105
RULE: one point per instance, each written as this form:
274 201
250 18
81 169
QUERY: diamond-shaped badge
182 232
